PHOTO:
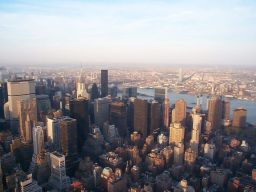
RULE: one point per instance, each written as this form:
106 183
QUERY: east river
191 101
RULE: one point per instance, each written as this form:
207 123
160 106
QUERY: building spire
80 75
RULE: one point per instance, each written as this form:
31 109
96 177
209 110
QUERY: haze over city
141 33
128 96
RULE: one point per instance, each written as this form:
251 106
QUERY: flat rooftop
19 80
57 154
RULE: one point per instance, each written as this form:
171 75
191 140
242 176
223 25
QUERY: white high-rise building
38 140
58 179
196 132
197 123
38 146
29 185
53 131
81 88
209 150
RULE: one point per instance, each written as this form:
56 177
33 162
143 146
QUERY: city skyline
135 131
120 33
128 96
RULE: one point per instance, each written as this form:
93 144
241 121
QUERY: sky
173 32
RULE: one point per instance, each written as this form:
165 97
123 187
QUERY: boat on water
183 92
229 96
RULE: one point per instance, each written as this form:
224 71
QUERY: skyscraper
178 154
209 150
130 116
215 112
68 141
2 101
79 110
28 184
129 92
18 90
43 107
58 179
154 116
68 136
104 83
101 111
190 156
177 133
159 94
38 146
27 110
113 91
38 140
196 132
226 112
81 90
197 125
239 118
94 92
53 132
141 110
180 111
118 117
166 111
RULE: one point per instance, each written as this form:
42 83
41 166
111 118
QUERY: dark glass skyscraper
113 91
118 117
130 92
68 142
154 116
215 112
226 110
141 109
104 83
43 107
159 94
166 111
180 111
68 136
130 115
94 92
79 110
239 118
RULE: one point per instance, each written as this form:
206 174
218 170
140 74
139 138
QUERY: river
191 100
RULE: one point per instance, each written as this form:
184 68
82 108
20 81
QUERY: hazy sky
129 31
